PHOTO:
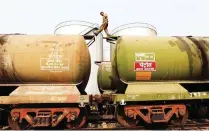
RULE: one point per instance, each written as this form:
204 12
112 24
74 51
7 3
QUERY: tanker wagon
155 79
43 78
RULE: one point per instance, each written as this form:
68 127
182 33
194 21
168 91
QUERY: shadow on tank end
196 87
5 91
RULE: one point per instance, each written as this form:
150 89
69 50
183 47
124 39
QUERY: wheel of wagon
124 120
15 125
80 121
181 120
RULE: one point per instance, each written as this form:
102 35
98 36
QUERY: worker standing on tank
104 24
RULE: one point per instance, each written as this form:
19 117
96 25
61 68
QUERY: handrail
71 25
75 22
71 21
131 25
86 29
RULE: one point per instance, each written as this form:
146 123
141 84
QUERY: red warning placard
145 66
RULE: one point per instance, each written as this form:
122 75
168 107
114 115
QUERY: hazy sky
170 17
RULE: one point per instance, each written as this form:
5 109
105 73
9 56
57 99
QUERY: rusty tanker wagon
149 79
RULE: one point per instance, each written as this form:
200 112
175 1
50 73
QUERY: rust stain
7 72
69 44
49 41
3 40
72 98
203 47
184 46
171 43
143 75
40 99
45 90
204 44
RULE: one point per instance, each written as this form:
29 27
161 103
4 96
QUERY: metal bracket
91 38
122 102
112 39
81 101
88 37
111 42
91 42
81 104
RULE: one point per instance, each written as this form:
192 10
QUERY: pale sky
170 17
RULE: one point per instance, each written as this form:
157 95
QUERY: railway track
196 124
199 124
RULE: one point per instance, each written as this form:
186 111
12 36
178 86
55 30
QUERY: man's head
101 13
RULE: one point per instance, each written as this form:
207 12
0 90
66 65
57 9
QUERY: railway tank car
154 79
45 70
149 79
105 76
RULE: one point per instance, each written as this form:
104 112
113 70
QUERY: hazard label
145 62
145 66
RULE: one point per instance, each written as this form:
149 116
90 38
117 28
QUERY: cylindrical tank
160 59
96 48
44 59
133 29
105 75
